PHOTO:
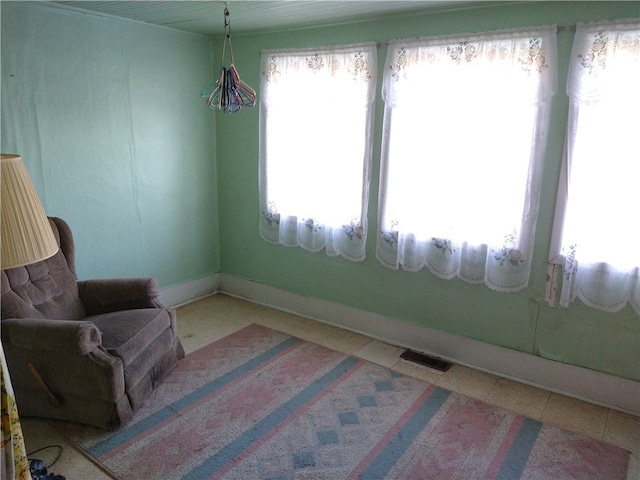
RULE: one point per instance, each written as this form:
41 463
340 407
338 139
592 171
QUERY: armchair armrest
113 294
69 337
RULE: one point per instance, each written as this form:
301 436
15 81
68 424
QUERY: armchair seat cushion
127 333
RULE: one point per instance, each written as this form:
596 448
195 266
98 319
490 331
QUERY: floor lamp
26 238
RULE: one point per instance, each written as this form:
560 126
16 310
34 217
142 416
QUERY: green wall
107 117
521 321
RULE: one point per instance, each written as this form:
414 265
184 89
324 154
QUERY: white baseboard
582 383
188 292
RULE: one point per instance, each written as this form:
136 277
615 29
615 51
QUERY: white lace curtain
601 235
464 135
315 147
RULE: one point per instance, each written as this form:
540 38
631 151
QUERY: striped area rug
260 404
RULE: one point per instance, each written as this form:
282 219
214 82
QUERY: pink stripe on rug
384 441
502 452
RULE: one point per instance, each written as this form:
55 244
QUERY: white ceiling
207 17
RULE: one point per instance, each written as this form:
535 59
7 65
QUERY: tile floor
206 320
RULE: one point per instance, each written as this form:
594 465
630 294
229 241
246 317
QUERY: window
315 147
463 142
598 217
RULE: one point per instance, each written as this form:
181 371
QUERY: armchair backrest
46 289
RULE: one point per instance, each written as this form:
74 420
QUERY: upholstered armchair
83 351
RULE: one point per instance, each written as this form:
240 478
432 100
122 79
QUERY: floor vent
426 360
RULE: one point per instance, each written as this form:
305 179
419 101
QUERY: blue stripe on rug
221 458
398 445
128 433
518 454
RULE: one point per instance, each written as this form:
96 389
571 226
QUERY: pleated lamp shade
26 233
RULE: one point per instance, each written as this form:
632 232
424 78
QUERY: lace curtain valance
521 61
604 61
